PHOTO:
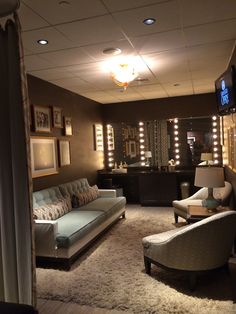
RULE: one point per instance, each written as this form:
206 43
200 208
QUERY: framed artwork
43 156
132 149
68 126
57 117
98 136
42 119
64 153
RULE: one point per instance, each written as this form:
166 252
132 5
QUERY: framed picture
98 136
57 117
64 152
68 126
132 149
42 119
43 156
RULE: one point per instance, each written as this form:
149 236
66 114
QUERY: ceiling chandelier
124 73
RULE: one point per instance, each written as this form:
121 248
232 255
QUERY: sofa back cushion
83 198
49 204
74 187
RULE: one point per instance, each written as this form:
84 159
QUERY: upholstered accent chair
202 246
181 206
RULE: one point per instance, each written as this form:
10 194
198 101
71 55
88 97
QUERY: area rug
111 274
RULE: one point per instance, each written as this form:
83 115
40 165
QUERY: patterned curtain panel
17 269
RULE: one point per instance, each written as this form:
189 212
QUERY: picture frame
42 119
98 137
43 156
132 149
64 152
57 117
68 126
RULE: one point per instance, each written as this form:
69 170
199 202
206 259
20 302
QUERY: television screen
225 91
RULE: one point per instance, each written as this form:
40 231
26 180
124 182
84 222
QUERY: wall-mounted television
225 88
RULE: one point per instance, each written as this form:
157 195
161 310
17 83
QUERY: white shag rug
111 274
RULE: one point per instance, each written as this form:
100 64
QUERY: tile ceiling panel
166 15
55 13
159 42
191 44
114 5
201 12
56 40
213 32
29 19
97 30
67 57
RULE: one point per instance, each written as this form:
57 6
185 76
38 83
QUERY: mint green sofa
60 241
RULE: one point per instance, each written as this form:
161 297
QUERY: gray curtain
16 257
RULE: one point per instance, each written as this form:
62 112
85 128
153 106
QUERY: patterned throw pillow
85 197
52 211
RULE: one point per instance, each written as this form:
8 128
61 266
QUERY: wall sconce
110 145
142 143
176 141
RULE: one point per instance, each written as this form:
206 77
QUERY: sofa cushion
109 205
76 224
74 187
80 199
53 210
46 196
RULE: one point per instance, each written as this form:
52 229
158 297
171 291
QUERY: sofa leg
176 218
123 215
192 281
147 264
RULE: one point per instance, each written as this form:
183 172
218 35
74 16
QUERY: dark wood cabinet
149 188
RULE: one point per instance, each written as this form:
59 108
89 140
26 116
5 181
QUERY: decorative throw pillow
88 196
52 211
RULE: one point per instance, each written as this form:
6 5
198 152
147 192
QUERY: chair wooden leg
176 218
192 281
147 265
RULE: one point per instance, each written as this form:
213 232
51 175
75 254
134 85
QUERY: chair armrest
107 193
45 237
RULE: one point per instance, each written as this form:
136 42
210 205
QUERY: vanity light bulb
176 144
110 154
142 158
214 136
110 159
215 143
175 120
142 152
214 118
176 132
141 135
176 126
216 161
177 162
140 123
176 138
141 129
214 123
177 156
142 146
110 164
108 126
141 140
215 149
214 130
177 150
142 163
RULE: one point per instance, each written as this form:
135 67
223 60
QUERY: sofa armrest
107 193
45 237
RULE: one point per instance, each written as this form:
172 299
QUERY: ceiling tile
51 74
67 57
29 19
35 63
159 42
213 32
166 15
56 41
55 13
201 12
92 31
114 5
209 63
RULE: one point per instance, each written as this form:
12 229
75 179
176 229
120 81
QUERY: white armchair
202 246
181 206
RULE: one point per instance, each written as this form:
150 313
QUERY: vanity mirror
154 143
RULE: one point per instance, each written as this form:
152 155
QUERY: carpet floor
111 274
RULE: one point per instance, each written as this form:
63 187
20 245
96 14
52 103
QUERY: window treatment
17 269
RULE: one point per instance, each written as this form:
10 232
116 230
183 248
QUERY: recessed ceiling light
112 51
149 21
42 41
